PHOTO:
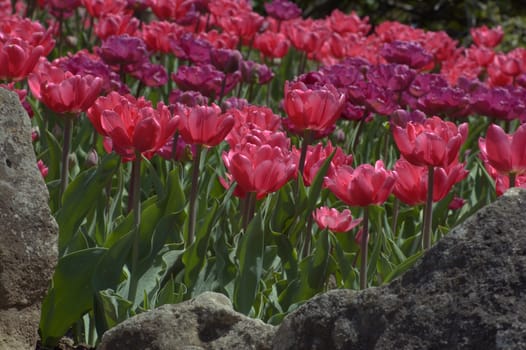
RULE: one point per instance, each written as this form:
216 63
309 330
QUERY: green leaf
71 294
195 256
172 293
315 187
111 308
250 265
316 275
54 154
80 198
403 267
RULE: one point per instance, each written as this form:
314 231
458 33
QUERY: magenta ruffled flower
123 50
282 10
205 79
409 53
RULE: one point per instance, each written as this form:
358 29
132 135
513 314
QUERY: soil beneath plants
65 344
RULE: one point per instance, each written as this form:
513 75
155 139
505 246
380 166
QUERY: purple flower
493 102
423 83
401 117
84 63
409 53
379 100
252 71
205 79
189 47
149 74
394 77
444 101
354 112
282 10
123 50
234 102
181 152
188 98
226 60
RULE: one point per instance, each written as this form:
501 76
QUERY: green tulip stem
249 209
136 208
428 209
363 249
193 196
307 237
66 149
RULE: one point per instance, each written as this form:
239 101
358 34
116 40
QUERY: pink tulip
334 220
433 143
506 153
366 185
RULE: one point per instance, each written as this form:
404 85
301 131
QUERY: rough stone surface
28 232
467 292
205 322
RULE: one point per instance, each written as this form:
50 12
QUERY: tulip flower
432 143
116 24
411 185
334 220
409 53
261 163
62 91
364 186
249 117
98 8
17 59
131 126
505 152
42 168
282 10
65 93
485 37
316 156
271 44
312 109
123 50
204 125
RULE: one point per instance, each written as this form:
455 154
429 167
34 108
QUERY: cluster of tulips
280 131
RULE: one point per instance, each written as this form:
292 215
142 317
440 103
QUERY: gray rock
467 292
205 322
28 232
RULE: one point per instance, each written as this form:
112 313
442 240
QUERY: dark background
453 16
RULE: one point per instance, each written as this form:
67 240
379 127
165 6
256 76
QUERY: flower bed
194 146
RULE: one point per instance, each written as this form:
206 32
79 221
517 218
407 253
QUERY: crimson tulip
334 220
250 117
363 186
411 185
433 143
18 58
204 125
132 126
505 153
259 166
316 156
313 109
62 91
485 37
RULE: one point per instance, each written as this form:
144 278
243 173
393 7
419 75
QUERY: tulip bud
226 60
92 159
